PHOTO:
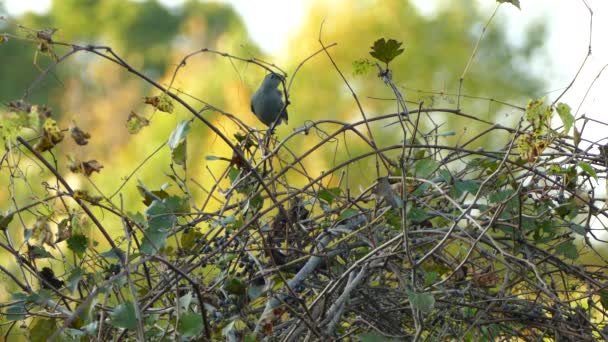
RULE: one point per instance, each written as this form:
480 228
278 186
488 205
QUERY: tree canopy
422 190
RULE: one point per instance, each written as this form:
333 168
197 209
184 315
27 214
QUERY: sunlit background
272 22
524 64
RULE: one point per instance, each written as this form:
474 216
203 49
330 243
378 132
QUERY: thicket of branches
448 242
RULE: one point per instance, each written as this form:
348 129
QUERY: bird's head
273 80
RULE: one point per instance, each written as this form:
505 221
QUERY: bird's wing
284 115
252 100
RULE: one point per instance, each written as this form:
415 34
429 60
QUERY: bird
267 102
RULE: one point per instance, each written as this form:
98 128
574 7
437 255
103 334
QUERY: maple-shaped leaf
385 51
512 2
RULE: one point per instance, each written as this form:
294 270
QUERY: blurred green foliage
99 96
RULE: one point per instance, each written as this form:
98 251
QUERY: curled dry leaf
64 230
85 196
86 168
46 34
80 137
19 106
42 233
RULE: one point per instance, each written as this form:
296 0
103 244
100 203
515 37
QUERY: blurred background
527 53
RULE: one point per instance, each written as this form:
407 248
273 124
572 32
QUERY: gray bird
267 102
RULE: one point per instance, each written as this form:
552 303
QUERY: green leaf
417 214
255 291
234 285
512 2
577 228
154 331
16 312
362 66
90 329
150 195
565 114
190 325
74 333
37 252
179 153
329 195
236 326
189 238
604 298
568 209
27 234
135 123
178 205
256 203
161 220
5 220
348 213
430 278
41 297
587 168
225 259
421 189
500 196
78 244
138 218
374 337
225 221
177 142
251 338
446 176
179 134
393 219
74 279
123 316
184 301
567 249
470 186
114 253
425 167
42 329
422 301
385 51
233 174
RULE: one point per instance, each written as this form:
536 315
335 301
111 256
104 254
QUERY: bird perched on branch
267 102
